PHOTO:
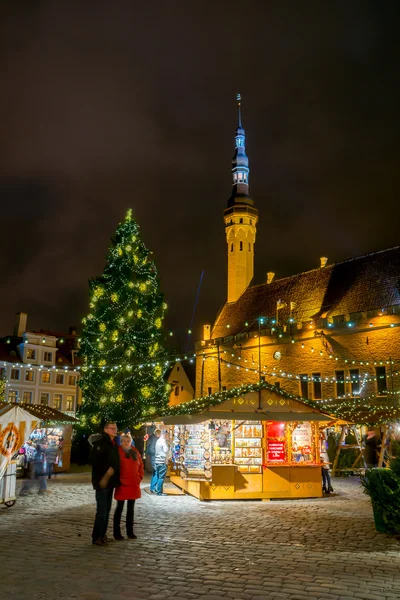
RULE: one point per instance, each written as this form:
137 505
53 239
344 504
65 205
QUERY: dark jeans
129 517
326 480
153 481
50 470
103 507
161 471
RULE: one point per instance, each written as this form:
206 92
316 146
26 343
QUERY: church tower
240 219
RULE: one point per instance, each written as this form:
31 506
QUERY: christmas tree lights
124 326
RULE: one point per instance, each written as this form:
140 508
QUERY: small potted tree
383 488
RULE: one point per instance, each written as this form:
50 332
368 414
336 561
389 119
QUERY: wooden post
382 450
341 440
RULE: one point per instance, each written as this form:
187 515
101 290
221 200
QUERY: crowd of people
117 470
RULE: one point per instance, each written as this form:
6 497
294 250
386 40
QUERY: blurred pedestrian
51 457
36 472
130 475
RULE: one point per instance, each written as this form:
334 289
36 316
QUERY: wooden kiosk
262 444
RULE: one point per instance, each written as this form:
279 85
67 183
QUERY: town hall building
330 334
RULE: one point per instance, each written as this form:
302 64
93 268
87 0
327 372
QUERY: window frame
383 391
48 352
48 398
30 376
62 376
60 398
15 370
317 386
33 350
72 377
304 385
47 373
340 375
354 383
72 408
23 397
15 394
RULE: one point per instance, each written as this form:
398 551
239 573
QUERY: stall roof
44 413
245 416
248 402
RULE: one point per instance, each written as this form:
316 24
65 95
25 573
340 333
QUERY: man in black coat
104 459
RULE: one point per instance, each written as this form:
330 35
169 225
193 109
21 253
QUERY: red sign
275 429
276 452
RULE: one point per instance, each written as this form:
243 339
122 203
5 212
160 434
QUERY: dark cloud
111 105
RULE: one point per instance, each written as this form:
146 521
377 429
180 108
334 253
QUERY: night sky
110 105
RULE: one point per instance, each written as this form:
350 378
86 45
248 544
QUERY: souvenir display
302 444
194 463
221 443
248 446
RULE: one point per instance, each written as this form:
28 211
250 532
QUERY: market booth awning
44 414
264 404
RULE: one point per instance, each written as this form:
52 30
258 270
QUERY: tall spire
240 164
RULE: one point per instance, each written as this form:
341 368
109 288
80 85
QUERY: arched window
249 247
240 246
232 247
177 390
240 220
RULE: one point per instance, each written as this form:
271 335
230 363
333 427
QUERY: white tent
16 425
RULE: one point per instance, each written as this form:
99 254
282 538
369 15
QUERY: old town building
181 376
330 334
40 367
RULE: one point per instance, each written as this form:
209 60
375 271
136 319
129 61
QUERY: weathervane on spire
239 101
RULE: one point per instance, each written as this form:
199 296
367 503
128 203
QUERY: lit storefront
262 444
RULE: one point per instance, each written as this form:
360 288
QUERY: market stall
260 444
58 436
36 424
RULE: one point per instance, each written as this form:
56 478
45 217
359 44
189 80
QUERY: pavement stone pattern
319 549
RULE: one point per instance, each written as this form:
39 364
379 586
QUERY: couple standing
158 450
119 467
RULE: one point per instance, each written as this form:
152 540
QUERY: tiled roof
356 285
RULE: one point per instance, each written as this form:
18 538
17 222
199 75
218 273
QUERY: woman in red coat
130 475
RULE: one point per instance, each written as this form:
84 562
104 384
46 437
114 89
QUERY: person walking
131 472
36 471
51 456
104 459
161 462
151 453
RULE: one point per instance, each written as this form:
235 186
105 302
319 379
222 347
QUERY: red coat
131 473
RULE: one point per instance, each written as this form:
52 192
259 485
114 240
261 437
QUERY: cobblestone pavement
298 550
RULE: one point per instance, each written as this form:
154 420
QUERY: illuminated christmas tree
122 340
